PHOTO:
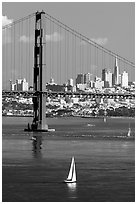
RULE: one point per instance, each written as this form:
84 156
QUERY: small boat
90 125
72 173
105 120
33 138
129 132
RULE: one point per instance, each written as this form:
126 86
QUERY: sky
112 21
111 24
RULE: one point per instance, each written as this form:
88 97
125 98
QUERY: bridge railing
68 93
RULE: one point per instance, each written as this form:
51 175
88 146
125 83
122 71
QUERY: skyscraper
107 78
124 79
87 78
19 85
80 79
116 72
24 85
70 82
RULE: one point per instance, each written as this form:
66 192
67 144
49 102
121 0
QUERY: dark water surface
105 161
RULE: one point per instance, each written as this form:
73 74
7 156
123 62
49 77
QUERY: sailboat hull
69 181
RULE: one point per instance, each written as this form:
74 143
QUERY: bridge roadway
72 94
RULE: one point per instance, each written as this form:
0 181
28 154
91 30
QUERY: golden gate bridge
39 47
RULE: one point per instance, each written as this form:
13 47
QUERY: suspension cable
18 21
86 39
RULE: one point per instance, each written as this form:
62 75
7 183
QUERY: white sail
72 173
71 169
129 132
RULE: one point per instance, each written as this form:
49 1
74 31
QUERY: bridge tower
39 123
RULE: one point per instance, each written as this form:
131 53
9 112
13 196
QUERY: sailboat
129 132
72 173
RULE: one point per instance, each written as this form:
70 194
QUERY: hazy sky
111 23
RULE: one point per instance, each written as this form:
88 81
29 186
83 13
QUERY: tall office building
120 78
13 86
116 72
70 82
25 85
87 78
80 79
103 74
20 85
107 78
124 79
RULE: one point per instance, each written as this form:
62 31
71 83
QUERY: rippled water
104 161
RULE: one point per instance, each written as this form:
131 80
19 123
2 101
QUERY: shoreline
122 117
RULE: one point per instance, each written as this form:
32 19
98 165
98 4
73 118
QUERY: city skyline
109 80
124 46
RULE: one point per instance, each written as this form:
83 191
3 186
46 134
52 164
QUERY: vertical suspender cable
19 52
57 64
97 61
67 56
29 66
60 55
11 56
26 75
87 56
21 49
89 69
14 44
4 64
52 39
72 56
80 56
102 59
105 60
75 56
50 51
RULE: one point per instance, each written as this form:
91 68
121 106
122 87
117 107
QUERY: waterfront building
51 81
124 79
